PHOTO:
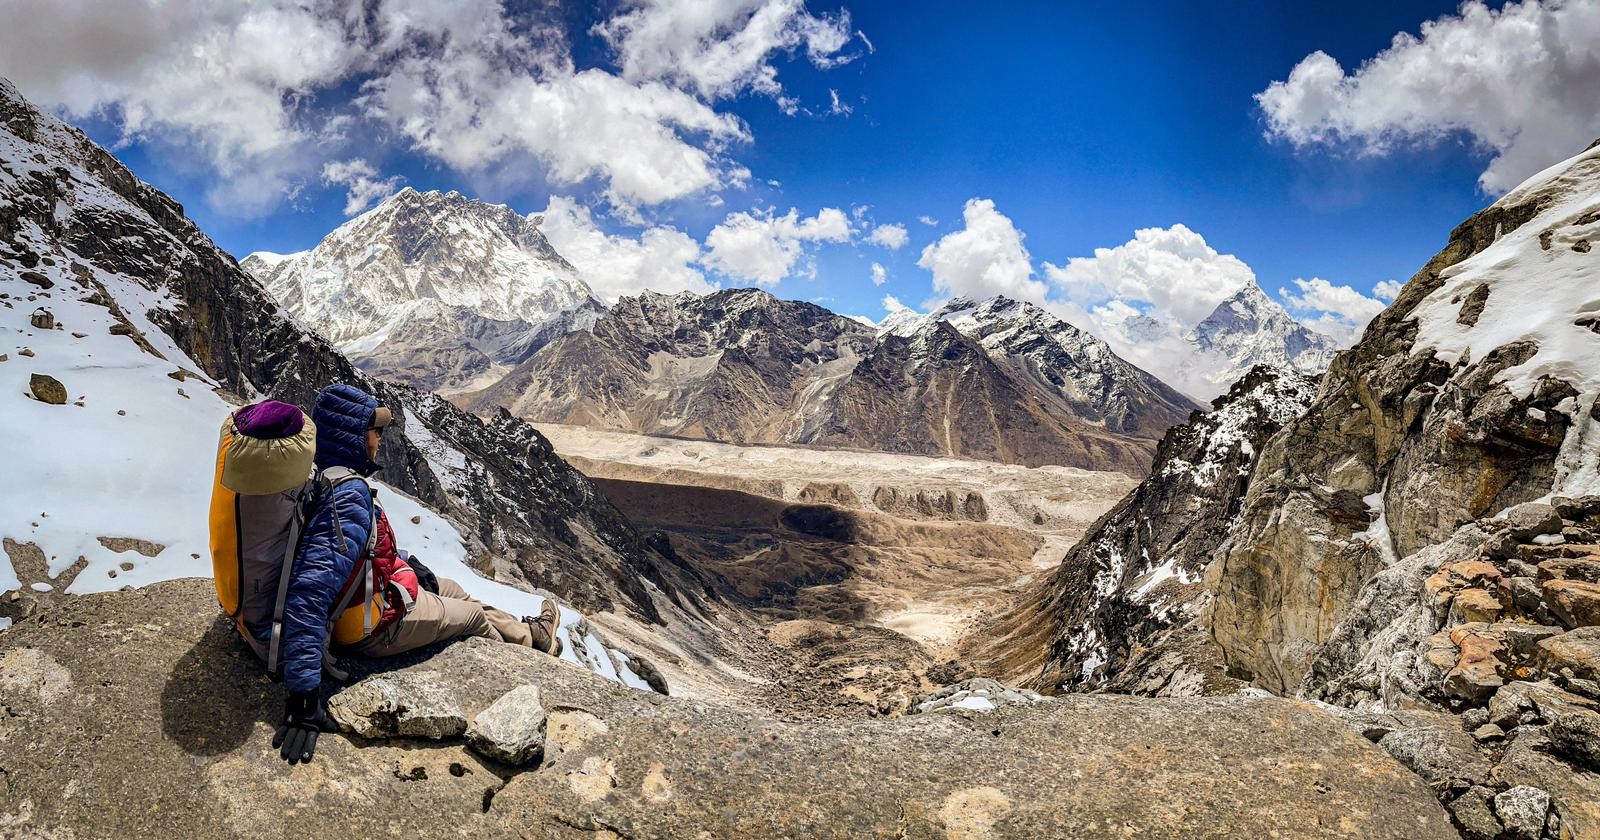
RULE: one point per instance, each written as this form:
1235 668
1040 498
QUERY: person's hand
303 720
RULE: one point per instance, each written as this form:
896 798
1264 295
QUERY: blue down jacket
326 559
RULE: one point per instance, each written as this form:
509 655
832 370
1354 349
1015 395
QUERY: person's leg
511 628
432 618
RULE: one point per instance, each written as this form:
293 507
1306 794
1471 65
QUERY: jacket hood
342 415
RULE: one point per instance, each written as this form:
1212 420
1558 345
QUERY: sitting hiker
348 587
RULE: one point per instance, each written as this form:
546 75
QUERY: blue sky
1082 123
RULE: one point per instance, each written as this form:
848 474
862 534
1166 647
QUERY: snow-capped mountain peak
430 272
1250 328
423 245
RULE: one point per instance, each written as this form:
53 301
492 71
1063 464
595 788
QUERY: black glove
425 576
303 720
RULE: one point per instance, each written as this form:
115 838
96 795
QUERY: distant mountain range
470 300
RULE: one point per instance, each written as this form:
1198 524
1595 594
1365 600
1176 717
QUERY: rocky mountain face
739 366
1091 384
1392 555
112 262
1417 546
1414 541
433 289
1473 392
939 392
999 380
493 740
1121 612
1250 329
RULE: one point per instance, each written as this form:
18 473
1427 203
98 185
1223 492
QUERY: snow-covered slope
155 335
430 288
1538 286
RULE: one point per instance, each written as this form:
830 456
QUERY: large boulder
414 705
140 714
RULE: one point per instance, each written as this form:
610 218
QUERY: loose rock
1441 754
1522 811
1576 603
1532 519
1575 733
42 319
1474 812
1577 651
47 389
512 729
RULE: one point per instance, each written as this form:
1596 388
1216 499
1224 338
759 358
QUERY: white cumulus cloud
983 259
660 259
222 81
721 48
255 92
1387 289
1339 311
893 237
880 275
1171 271
363 186
1520 81
763 247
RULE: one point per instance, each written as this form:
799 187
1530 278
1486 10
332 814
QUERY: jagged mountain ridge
432 288
1006 381
1095 385
78 228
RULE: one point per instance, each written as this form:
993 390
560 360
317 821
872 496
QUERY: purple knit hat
269 420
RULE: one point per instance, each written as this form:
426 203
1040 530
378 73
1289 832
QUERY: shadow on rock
216 693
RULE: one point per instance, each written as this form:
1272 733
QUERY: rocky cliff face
430 288
1000 380
79 230
1473 392
1122 612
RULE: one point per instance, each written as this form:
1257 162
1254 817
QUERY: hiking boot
544 629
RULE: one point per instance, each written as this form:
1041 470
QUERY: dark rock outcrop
1121 612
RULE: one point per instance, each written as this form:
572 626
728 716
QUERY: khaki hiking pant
450 614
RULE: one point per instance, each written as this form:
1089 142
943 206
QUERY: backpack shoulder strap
297 522
330 479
